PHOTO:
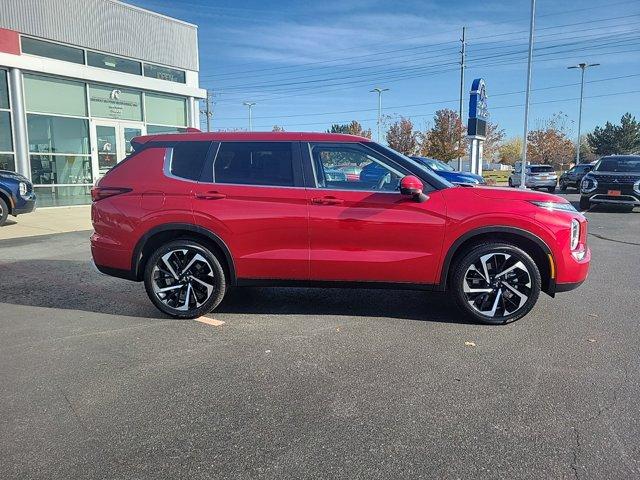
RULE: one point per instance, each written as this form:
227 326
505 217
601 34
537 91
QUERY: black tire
563 187
551 189
186 272
510 183
4 211
585 204
507 302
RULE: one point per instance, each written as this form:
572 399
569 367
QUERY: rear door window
188 159
255 163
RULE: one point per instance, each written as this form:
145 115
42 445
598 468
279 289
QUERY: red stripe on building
9 41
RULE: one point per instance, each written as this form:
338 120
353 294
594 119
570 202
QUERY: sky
307 64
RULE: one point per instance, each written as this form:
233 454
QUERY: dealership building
79 79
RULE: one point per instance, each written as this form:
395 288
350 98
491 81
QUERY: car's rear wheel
585 204
184 279
4 211
496 283
511 183
551 189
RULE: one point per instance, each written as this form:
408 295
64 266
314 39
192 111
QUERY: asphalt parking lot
304 383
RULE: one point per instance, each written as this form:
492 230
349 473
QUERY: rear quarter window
188 159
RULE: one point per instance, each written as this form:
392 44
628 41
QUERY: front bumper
25 205
627 199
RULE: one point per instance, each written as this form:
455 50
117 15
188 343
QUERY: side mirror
412 186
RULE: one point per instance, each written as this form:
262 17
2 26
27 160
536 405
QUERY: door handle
327 201
210 196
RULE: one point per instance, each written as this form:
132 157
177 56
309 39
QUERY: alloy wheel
183 279
497 284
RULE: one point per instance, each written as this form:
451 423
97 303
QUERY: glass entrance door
107 138
111 143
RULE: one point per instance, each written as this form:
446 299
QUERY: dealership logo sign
115 94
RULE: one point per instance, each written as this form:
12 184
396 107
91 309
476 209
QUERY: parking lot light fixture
250 105
582 66
532 27
379 91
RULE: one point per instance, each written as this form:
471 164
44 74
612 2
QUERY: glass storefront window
164 73
165 110
6 144
110 62
157 129
7 162
49 134
52 50
4 90
53 95
46 169
117 103
62 196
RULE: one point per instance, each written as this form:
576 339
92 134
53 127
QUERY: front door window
352 167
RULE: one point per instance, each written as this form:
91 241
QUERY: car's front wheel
184 279
4 211
496 283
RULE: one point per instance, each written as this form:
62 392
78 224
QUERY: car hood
460 177
8 174
503 193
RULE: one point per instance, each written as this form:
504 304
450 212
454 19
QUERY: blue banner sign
478 111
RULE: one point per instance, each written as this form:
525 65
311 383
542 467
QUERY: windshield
618 164
437 165
390 151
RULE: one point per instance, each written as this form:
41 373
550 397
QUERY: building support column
21 147
193 113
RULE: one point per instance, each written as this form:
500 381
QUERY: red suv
193 214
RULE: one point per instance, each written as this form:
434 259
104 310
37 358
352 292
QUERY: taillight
100 193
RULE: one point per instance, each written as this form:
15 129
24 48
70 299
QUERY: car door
252 196
366 230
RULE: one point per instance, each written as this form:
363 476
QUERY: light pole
379 90
250 105
582 67
523 166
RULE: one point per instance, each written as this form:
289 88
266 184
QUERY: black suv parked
573 176
614 180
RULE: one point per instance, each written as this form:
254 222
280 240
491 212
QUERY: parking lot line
210 321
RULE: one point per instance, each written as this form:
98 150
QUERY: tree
628 134
277 128
444 141
623 138
603 139
510 151
353 128
492 143
549 143
402 138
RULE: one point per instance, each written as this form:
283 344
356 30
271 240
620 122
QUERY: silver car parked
536 176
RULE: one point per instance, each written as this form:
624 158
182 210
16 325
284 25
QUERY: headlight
636 187
588 184
575 234
23 189
554 206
